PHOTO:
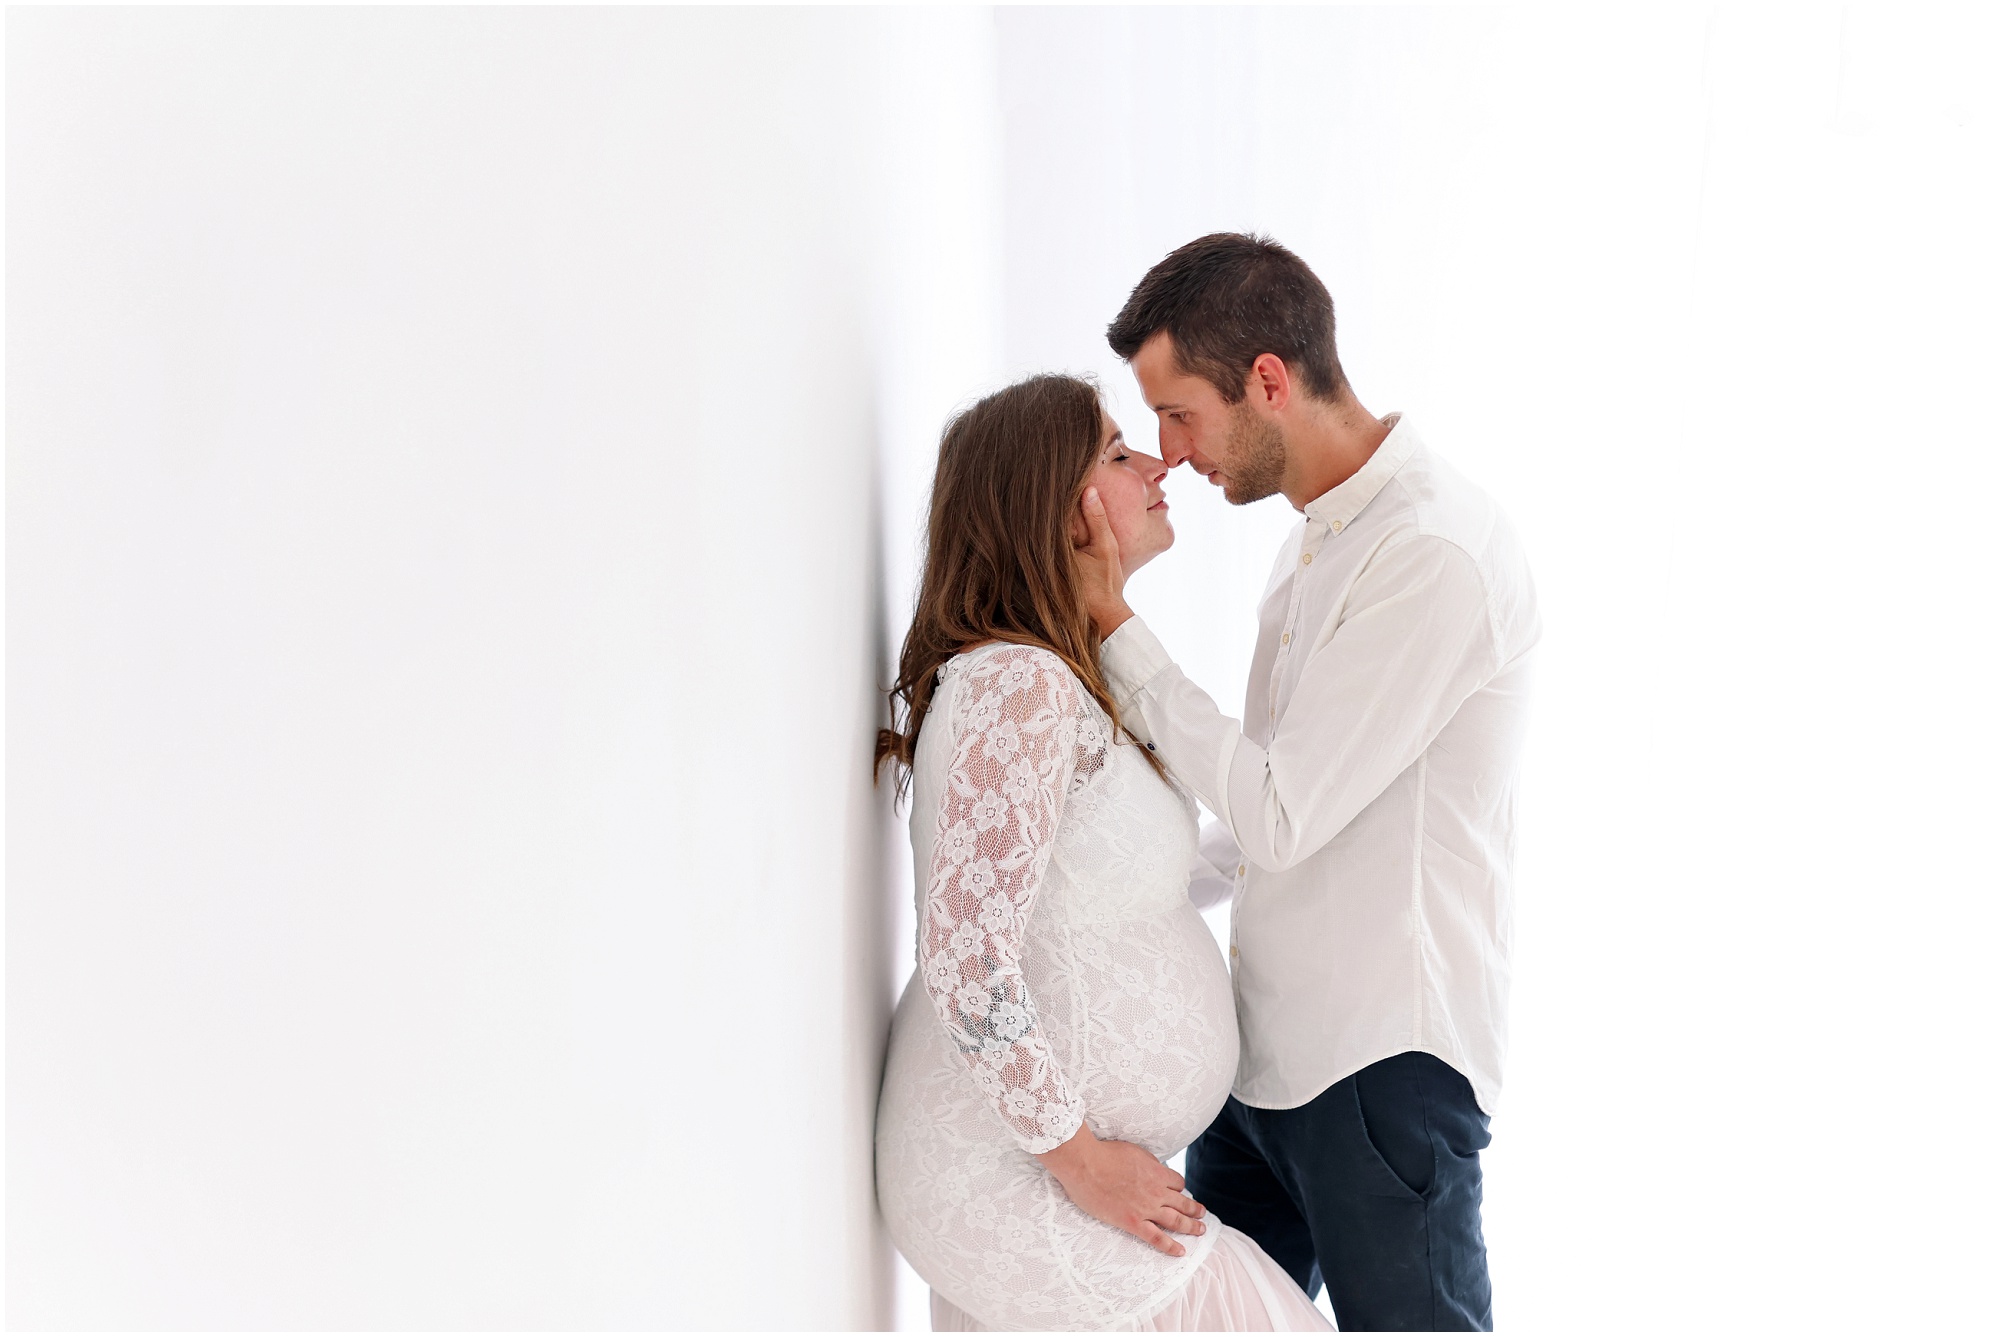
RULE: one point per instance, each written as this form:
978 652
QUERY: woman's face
1128 483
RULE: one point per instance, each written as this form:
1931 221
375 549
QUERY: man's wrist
1111 618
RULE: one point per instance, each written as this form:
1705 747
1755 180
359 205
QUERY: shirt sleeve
1017 712
1414 639
1213 880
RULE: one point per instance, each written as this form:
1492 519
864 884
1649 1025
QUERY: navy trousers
1371 1187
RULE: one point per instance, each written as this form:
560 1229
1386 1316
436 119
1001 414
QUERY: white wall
1706 300
445 615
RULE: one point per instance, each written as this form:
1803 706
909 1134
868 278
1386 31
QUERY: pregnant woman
1071 1021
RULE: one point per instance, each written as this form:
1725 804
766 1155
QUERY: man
1366 803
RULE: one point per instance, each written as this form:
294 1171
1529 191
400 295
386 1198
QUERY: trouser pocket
1393 1114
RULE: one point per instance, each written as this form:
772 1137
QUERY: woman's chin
1160 545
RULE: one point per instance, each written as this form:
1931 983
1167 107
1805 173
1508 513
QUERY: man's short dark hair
1226 299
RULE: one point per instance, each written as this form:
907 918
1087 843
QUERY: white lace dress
1063 975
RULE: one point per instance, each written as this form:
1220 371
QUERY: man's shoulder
1429 497
1434 503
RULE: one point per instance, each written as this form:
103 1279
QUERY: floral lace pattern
1063 976
1017 749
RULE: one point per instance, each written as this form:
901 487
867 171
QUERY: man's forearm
1109 617
1368 701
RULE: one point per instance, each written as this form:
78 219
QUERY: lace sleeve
1017 711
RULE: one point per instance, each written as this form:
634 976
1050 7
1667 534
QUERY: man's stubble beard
1255 466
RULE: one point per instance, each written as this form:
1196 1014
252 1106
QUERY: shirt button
1232 949
1336 526
1241 870
1286 639
1308 559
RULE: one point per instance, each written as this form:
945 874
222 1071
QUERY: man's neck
1328 446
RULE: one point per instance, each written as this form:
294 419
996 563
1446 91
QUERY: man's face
1231 445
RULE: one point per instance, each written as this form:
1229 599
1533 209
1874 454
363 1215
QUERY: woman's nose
1155 469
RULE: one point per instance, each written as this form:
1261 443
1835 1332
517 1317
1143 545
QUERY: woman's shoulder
1011 667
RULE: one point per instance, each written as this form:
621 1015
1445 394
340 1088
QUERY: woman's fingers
1124 1185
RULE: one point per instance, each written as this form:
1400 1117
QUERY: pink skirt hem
1237 1288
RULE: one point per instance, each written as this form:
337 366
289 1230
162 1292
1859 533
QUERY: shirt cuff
1132 657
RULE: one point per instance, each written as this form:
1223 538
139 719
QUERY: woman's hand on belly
1124 1185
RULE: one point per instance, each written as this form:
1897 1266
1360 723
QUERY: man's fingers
1153 1235
1169 1219
1175 1182
1093 515
1094 519
1187 1206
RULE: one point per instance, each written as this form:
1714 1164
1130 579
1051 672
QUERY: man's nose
1174 453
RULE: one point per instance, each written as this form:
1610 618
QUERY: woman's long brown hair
999 564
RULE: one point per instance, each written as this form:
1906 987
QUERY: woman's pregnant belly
1141 1016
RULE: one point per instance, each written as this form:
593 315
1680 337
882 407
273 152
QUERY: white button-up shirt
1367 807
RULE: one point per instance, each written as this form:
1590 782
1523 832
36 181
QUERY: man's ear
1270 382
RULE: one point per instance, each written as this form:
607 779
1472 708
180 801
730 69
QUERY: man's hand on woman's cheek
1103 575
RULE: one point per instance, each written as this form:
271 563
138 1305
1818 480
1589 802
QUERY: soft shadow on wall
446 618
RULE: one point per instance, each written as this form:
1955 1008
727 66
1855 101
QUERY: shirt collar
1337 506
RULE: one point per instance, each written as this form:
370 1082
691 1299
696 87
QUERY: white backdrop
1705 298
463 469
